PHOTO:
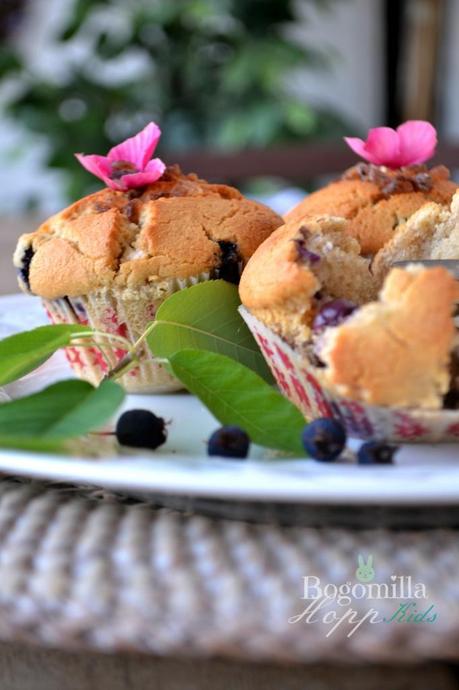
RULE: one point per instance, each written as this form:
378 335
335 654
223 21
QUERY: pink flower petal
412 143
100 167
418 140
137 152
141 179
357 145
97 165
115 184
155 165
137 149
382 147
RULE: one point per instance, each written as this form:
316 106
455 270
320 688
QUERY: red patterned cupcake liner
93 363
298 381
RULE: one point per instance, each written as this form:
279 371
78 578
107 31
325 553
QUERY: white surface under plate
422 475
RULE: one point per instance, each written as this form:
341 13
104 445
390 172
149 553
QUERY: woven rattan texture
78 572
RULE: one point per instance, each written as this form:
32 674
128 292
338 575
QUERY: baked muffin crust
430 233
178 227
282 279
376 200
397 351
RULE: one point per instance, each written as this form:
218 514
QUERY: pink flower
128 165
411 143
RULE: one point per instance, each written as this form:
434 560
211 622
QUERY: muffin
309 284
347 334
299 267
376 200
396 351
110 259
430 233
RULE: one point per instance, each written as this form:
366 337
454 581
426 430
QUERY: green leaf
236 395
300 117
33 443
63 410
206 317
23 352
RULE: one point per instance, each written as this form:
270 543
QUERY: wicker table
86 571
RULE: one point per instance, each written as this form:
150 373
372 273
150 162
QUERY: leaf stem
143 337
123 366
101 334
126 363
131 359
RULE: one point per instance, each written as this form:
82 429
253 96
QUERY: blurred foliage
10 15
214 77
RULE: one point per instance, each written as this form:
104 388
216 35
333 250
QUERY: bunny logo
365 572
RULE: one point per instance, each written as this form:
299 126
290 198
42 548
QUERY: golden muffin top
179 226
377 200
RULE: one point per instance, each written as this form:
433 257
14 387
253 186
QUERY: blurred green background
218 76
212 73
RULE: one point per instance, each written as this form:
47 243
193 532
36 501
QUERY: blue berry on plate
324 439
376 453
333 313
141 429
229 442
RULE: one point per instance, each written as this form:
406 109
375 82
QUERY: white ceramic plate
423 475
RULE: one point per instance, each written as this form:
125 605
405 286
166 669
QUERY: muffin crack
178 228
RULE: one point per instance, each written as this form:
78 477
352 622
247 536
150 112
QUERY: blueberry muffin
309 283
300 267
110 259
376 200
396 351
430 233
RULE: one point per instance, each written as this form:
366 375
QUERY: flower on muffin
411 143
129 164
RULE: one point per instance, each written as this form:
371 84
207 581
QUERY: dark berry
324 439
376 453
305 254
141 429
229 442
230 263
24 271
332 314
451 400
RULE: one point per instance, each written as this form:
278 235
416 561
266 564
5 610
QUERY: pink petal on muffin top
128 164
411 143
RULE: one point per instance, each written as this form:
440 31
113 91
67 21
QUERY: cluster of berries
323 439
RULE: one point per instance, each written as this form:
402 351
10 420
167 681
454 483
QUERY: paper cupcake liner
126 313
297 379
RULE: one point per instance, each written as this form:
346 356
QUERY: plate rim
83 470
246 481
